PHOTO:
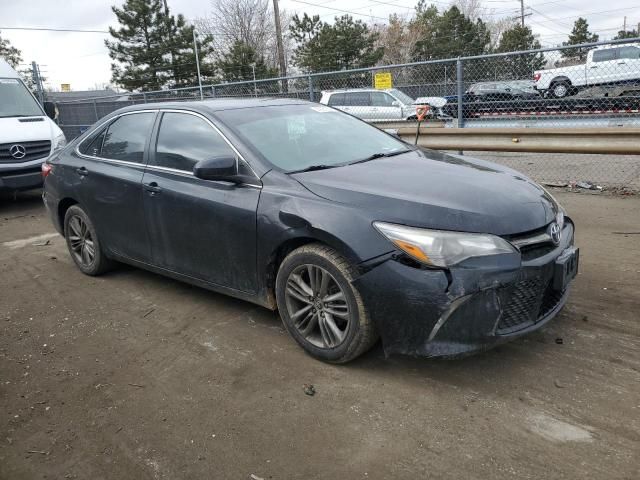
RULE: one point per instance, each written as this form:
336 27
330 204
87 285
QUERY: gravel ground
133 375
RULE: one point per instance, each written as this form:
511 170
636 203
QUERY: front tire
83 243
320 307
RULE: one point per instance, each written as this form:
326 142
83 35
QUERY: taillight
536 76
46 169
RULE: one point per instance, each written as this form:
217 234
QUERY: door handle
622 63
593 66
152 187
82 171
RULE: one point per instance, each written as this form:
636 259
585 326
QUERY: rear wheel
319 306
83 244
560 89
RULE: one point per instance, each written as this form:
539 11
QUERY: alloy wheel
317 306
81 241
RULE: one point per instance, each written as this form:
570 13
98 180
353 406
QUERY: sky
81 59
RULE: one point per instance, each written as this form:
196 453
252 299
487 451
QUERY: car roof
350 90
216 104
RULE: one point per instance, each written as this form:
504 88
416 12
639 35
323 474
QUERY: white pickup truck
611 64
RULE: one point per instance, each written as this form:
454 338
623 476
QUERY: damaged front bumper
429 312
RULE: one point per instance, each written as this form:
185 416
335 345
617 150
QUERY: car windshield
296 137
403 97
15 100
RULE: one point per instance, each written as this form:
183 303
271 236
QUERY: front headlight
440 248
59 143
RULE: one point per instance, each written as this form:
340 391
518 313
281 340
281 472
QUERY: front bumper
426 312
23 179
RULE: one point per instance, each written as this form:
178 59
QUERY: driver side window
185 139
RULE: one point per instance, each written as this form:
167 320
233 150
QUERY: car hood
17 129
430 189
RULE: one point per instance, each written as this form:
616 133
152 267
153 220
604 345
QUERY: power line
54 29
338 9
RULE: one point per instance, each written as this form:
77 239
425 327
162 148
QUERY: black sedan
352 234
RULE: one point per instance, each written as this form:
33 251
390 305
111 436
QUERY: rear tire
83 243
320 307
560 89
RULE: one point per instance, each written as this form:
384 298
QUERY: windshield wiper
18 115
311 168
380 155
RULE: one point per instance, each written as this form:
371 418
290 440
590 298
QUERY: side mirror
217 168
396 103
50 110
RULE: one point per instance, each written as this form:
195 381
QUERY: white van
28 135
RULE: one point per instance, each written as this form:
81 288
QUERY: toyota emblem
554 230
17 151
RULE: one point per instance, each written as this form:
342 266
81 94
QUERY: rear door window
336 99
125 138
605 55
185 139
357 99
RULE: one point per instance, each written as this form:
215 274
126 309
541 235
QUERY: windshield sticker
322 109
9 80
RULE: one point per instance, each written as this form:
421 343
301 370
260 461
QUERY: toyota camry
350 233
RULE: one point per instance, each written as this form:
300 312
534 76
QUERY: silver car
372 105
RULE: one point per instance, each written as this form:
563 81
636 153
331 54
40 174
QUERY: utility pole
522 13
281 61
255 85
624 25
36 78
195 48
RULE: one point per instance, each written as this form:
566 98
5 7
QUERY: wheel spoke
293 292
337 333
74 225
342 313
325 332
336 296
312 272
308 325
324 283
305 289
85 256
300 312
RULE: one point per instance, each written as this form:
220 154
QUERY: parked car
349 232
27 134
611 64
371 104
501 91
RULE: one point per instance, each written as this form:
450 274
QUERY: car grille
33 151
528 302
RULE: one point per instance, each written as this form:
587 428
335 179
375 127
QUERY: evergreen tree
179 44
622 34
450 34
238 64
519 38
580 34
11 54
344 45
152 49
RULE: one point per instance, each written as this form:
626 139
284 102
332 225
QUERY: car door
200 228
603 67
383 108
628 62
108 169
358 104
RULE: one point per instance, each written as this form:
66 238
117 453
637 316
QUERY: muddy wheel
83 243
320 307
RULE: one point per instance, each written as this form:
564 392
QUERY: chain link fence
591 85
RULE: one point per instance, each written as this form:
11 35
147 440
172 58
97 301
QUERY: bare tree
398 38
250 22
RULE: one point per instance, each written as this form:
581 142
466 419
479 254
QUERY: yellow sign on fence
382 80
65 87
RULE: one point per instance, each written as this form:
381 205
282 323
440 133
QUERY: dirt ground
132 375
